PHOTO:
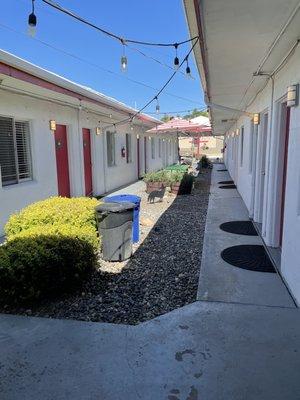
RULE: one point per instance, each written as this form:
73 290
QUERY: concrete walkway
209 350
220 281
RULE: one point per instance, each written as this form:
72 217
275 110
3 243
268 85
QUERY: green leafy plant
78 212
161 176
51 246
36 267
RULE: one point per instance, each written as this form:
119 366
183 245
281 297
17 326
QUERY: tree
196 113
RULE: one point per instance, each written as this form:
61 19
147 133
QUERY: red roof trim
27 77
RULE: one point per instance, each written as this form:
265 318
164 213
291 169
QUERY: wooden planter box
175 187
152 186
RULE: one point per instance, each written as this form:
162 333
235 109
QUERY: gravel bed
162 274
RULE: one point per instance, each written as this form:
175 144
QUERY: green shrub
186 184
205 161
51 246
176 176
85 233
78 212
36 267
161 176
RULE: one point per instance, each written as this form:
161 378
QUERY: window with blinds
110 146
15 156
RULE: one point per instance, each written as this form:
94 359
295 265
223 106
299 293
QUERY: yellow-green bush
55 210
36 267
51 246
85 233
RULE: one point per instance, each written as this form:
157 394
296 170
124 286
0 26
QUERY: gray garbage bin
115 228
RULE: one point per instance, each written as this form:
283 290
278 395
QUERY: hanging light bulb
32 20
123 58
157 108
188 69
176 59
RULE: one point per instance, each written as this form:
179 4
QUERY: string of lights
155 98
83 60
111 34
179 111
32 22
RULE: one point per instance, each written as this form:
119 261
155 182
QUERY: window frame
128 139
27 147
112 134
242 138
152 140
159 147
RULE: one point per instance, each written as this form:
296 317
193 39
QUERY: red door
87 159
62 161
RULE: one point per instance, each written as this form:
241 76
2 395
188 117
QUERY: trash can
114 222
136 200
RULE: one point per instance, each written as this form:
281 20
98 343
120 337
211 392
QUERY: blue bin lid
124 197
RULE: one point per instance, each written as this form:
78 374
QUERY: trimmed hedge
41 266
51 246
77 212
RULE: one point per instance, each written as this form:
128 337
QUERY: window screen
15 155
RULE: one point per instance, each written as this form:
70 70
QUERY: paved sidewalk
208 350
220 281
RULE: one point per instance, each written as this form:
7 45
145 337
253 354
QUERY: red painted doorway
87 160
62 161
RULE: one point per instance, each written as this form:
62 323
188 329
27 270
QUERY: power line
158 93
96 65
123 40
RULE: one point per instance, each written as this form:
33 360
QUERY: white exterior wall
44 183
247 180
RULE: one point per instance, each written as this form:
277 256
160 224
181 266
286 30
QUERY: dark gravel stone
162 274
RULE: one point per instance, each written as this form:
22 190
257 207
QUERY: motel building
248 57
58 138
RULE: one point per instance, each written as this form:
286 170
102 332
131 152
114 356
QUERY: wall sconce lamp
237 132
98 131
256 119
52 124
292 95
137 136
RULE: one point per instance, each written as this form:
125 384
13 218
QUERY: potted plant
156 180
182 183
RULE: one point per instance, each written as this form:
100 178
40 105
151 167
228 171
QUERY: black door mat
251 257
222 170
225 182
227 187
239 228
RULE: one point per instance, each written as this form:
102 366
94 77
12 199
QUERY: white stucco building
79 156
248 57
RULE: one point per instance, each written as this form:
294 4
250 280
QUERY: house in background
53 139
248 57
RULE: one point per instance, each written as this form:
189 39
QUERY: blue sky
147 20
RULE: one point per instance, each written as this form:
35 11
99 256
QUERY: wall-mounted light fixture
137 136
52 124
237 132
292 95
98 130
256 119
